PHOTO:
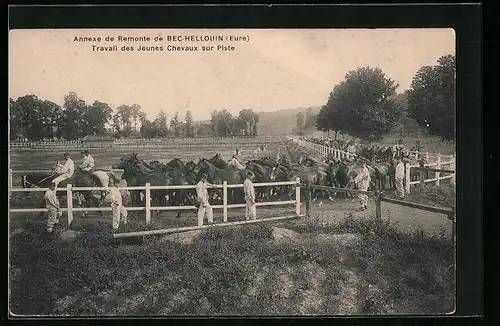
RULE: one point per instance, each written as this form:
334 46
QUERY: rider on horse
66 170
87 162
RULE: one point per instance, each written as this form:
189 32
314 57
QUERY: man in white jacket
399 177
87 161
362 181
53 207
66 170
249 191
204 205
119 212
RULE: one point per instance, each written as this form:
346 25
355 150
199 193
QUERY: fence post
422 175
427 157
224 200
453 167
378 204
407 178
148 203
297 197
10 178
438 166
451 216
69 203
307 196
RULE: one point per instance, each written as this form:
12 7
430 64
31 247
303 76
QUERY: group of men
363 180
64 171
205 209
54 209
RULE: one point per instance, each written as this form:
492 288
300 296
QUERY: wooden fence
148 208
216 142
379 199
440 162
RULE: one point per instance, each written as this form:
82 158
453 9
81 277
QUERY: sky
272 69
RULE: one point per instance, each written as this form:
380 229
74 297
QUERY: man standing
399 177
204 206
119 212
53 207
248 189
67 170
362 181
87 161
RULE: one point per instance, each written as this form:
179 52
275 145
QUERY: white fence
323 150
216 142
441 162
148 208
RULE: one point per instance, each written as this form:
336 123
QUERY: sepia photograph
232 172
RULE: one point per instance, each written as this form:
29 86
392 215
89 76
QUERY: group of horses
176 172
372 152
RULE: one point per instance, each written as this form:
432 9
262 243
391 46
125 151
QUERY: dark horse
218 176
136 173
218 161
78 179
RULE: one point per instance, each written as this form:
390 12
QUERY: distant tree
252 119
364 104
322 122
221 124
255 125
74 123
18 120
161 125
97 116
310 119
239 126
176 125
203 130
188 125
300 121
431 98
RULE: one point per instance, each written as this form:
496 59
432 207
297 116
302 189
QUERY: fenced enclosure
379 198
215 142
444 164
70 209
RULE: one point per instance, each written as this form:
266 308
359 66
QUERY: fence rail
218 142
379 199
330 151
148 208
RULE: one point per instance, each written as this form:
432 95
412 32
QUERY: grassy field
336 262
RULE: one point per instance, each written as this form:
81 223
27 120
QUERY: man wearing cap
87 161
204 205
117 206
399 177
249 191
53 207
67 170
362 181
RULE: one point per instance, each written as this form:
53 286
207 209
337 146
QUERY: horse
40 180
218 176
175 163
382 172
136 173
234 163
218 162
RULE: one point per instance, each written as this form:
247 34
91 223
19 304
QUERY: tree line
366 105
35 119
